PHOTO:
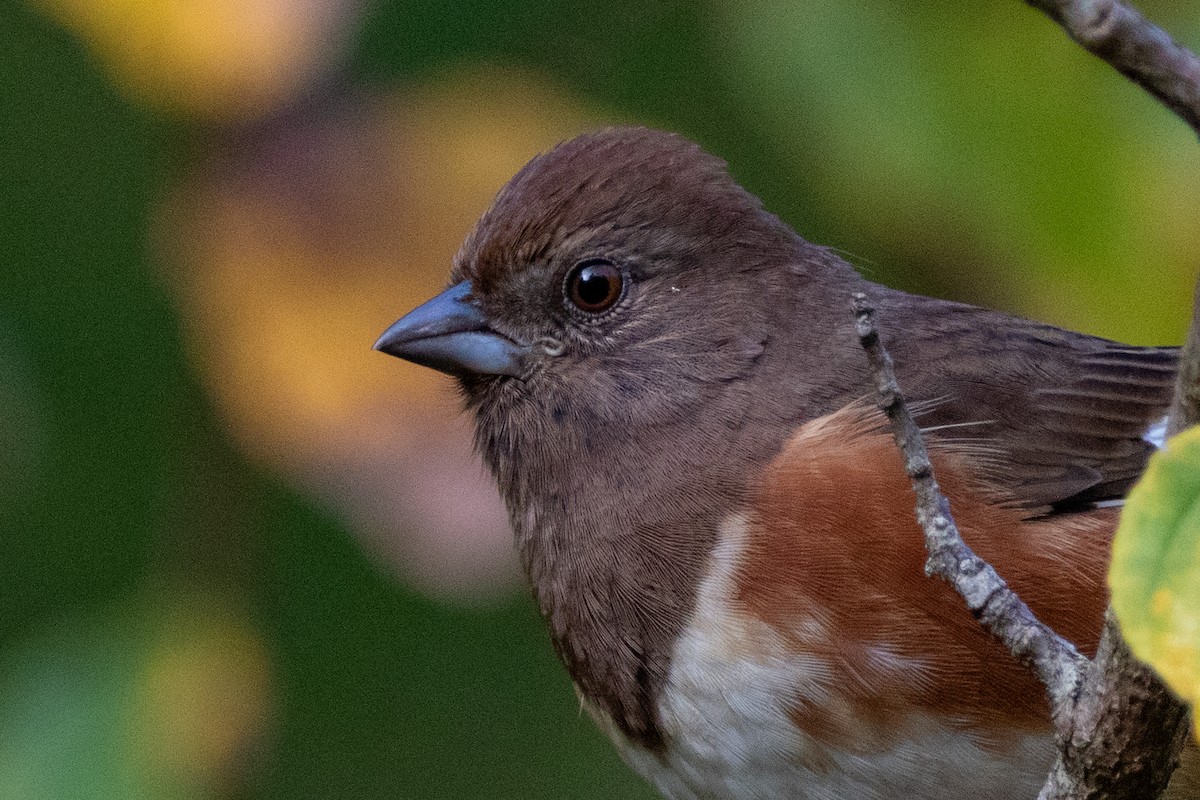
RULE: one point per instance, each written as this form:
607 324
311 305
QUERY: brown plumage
630 438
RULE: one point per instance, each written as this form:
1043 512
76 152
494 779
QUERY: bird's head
618 279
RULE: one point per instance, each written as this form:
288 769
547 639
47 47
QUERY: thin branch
1053 659
1135 47
1127 730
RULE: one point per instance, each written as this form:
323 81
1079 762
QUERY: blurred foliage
991 133
152 701
209 210
1155 573
209 58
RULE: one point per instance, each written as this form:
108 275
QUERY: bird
715 523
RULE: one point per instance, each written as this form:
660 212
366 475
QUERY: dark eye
594 285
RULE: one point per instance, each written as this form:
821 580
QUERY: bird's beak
451 334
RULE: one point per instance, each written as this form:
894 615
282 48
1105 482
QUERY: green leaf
1155 572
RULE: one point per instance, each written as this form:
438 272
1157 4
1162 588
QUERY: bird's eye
594 285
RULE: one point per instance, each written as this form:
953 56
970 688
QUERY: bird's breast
819 661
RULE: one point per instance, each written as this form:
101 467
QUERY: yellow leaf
1155 572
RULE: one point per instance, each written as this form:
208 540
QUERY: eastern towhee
717 528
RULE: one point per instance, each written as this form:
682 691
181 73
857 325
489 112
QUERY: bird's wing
1068 415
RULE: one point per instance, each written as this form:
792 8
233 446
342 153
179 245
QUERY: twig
1134 46
1053 659
1119 731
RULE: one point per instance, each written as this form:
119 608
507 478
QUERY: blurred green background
242 555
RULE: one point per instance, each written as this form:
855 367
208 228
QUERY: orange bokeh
220 59
292 250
